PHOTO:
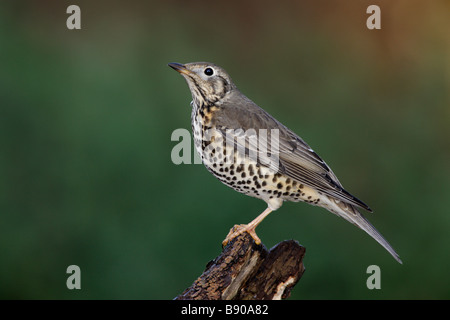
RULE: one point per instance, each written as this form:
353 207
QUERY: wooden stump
247 271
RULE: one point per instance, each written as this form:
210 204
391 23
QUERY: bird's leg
249 228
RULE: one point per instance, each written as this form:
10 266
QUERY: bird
250 151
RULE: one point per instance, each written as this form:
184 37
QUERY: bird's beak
179 67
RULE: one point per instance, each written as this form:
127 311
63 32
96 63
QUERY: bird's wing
295 158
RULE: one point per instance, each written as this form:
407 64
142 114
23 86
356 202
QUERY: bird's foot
239 229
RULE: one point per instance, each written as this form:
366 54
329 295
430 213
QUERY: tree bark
247 271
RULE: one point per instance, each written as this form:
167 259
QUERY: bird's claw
239 229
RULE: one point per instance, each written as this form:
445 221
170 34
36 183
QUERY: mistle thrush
250 151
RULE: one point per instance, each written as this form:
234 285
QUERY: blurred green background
86 118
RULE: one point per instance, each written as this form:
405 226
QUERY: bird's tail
351 214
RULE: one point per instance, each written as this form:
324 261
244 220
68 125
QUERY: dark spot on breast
205 143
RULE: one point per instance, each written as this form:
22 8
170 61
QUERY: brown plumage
236 139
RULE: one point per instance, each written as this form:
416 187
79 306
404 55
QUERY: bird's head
208 83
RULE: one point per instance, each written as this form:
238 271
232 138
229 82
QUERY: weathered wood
247 271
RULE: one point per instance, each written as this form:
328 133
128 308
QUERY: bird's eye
209 71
